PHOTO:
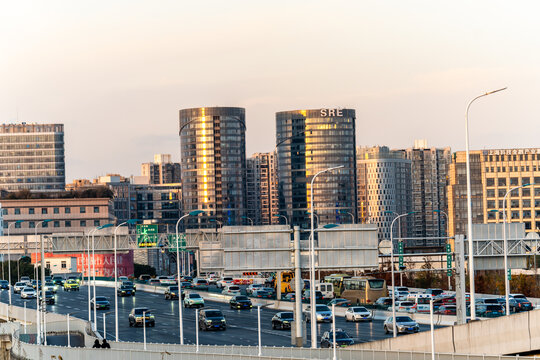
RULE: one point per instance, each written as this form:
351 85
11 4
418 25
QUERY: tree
140 269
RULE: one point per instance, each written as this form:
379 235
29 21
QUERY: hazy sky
117 72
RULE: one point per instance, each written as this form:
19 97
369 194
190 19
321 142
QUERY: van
327 290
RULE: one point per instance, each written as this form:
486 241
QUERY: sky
117 72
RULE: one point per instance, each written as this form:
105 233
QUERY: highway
241 324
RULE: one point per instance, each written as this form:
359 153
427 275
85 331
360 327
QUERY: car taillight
368 300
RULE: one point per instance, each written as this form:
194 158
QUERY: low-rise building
56 215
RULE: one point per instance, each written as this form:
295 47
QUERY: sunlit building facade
308 141
213 163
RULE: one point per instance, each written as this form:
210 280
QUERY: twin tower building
213 162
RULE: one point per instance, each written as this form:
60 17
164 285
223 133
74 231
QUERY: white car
224 282
232 290
18 287
358 313
193 300
405 306
253 287
166 280
28 293
121 279
212 279
401 295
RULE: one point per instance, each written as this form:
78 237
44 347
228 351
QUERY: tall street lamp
181 324
40 309
282 216
312 272
437 211
469 204
394 331
349 213
249 219
505 245
129 222
92 232
9 262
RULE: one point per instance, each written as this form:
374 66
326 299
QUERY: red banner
104 262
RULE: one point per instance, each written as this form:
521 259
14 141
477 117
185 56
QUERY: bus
287 278
363 289
337 281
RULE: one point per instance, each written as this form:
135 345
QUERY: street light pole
349 213
394 331
505 245
39 306
180 319
313 316
437 211
131 221
469 204
9 264
248 218
283 216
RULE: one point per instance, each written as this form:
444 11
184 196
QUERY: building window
31 211
45 224
56 224
31 224
43 210
67 210
83 223
63 265
17 211
68 223
83 210
502 181
17 225
96 209
48 264
56 210
96 223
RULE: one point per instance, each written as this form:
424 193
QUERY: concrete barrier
515 334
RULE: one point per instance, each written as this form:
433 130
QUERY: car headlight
209 321
222 320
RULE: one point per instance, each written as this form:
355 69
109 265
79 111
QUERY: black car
172 293
58 280
282 320
240 302
49 297
125 290
4 284
102 303
212 319
141 315
342 339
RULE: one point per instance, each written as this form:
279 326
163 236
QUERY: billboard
104 263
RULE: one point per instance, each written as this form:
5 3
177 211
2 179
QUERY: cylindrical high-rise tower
213 161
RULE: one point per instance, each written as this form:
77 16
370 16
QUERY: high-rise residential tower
213 162
308 141
493 174
384 189
261 189
162 170
32 157
428 184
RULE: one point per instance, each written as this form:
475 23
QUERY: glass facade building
308 141
213 163
32 157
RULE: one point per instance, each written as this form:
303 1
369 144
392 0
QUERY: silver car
404 325
322 312
28 293
358 313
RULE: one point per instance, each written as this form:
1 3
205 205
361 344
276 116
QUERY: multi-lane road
241 324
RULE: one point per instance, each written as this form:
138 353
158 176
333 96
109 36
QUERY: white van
327 290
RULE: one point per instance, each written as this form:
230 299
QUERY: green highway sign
175 243
509 274
147 235
400 247
448 260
